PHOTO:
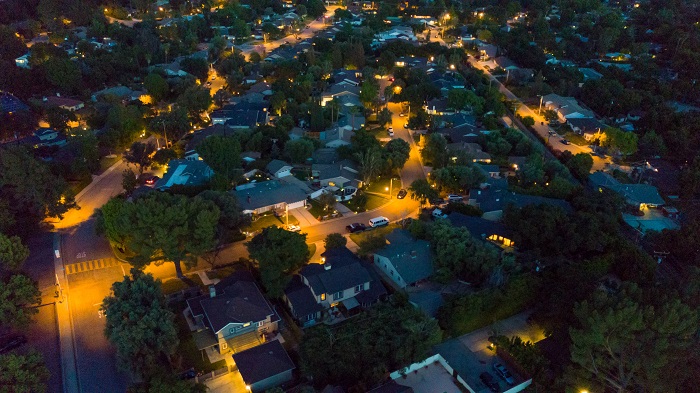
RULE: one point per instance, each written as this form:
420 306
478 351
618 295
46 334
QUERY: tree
161 227
580 165
140 154
315 8
19 296
156 86
396 153
327 200
195 100
371 162
12 253
197 67
533 169
368 92
457 178
421 191
278 102
629 341
163 156
163 382
624 143
384 117
278 253
435 150
23 372
335 240
31 191
299 150
528 121
63 73
139 323
123 124
222 154
129 181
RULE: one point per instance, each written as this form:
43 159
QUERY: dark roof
247 105
496 198
235 302
638 193
262 362
185 172
200 135
10 103
250 118
586 124
275 165
479 227
411 258
253 196
427 301
392 387
301 299
345 272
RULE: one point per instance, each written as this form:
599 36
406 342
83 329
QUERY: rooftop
253 196
411 258
186 173
263 361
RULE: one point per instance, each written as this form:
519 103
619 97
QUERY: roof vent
413 253
212 291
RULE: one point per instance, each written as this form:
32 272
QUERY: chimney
327 266
413 254
45 99
212 291
58 94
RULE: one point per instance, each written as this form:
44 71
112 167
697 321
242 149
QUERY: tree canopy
222 154
23 372
19 296
139 323
278 253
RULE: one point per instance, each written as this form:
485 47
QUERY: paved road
541 129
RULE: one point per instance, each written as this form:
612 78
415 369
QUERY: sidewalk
65 326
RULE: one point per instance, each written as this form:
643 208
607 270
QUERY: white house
279 168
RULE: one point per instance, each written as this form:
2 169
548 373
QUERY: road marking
95 264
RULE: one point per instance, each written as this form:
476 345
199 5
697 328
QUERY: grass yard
359 237
77 186
576 139
381 184
373 202
224 272
174 285
106 162
316 209
270 220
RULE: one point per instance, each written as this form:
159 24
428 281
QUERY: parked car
503 372
489 381
12 341
437 201
455 198
552 132
405 125
152 180
438 213
402 193
356 227
565 142
293 228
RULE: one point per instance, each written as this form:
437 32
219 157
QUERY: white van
378 222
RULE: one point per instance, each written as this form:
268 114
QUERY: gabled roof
479 228
586 124
238 300
254 196
184 172
200 135
250 118
411 258
638 193
301 298
346 271
10 103
276 165
262 362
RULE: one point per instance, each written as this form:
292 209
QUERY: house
473 150
565 107
68 104
411 61
233 316
589 74
405 260
639 196
589 127
185 173
404 33
494 197
340 175
44 137
258 198
347 94
264 367
426 376
10 104
23 61
121 92
490 171
438 106
200 135
246 119
483 229
341 280
279 168
347 77
250 156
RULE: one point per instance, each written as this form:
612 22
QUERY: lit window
323 296
247 324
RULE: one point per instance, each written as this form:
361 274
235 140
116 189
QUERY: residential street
542 129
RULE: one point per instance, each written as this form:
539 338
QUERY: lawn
576 139
381 184
270 220
187 349
106 162
224 272
316 209
174 285
301 174
359 237
373 202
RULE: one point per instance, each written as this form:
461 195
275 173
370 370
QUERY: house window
261 323
323 296
224 345
246 325
359 288
337 295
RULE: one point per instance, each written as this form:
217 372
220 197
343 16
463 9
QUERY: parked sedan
503 372
356 227
402 193
565 142
489 381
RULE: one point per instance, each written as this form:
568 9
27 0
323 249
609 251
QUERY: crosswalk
87 266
